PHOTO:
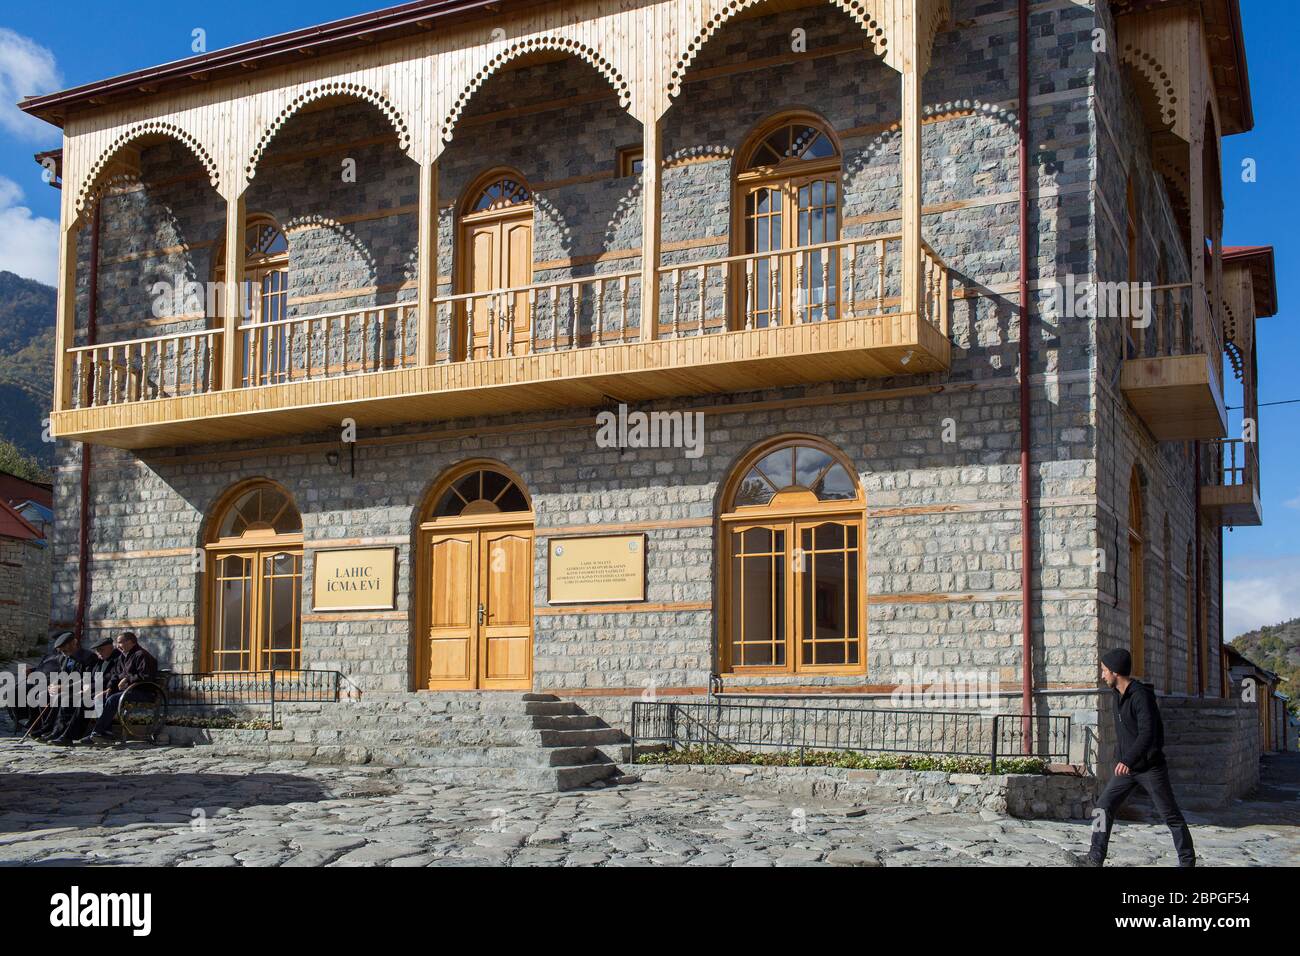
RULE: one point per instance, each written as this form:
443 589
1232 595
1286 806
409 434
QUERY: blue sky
80 41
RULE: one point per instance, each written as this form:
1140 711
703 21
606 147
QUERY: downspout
1026 516
83 524
1202 681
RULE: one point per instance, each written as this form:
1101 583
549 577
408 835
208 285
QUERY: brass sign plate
603 569
355 579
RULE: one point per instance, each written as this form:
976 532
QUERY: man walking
1139 745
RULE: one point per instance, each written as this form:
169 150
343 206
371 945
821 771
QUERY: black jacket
1139 732
109 667
136 667
79 661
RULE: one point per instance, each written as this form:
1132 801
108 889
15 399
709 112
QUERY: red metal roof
14 489
14 526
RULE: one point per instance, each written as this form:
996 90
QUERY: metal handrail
788 727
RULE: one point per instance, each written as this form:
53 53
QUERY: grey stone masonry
937 455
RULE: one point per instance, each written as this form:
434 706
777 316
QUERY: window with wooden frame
1136 588
254 554
629 161
793 543
786 210
265 294
1134 337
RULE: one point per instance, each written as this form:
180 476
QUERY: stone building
24 583
362 310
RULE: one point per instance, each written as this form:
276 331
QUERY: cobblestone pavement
186 808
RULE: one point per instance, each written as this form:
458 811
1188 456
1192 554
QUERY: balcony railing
1173 369
164 366
1231 490
540 317
835 311
331 344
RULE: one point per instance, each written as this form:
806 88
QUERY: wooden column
428 264
910 169
65 329
651 221
232 302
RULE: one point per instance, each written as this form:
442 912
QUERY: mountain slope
27 311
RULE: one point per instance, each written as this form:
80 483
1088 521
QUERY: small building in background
24 582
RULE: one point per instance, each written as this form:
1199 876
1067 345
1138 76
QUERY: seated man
75 660
109 659
136 667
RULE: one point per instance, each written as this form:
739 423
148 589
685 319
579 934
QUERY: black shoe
102 740
1079 859
85 741
63 742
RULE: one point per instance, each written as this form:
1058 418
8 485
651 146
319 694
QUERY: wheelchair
142 715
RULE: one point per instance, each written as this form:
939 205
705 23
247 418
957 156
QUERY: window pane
754 490
836 485
810 463
779 467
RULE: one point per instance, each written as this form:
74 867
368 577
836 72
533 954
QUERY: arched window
1133 233
787 198
254 554
1136 590
495 252
266 299
792 533
482 491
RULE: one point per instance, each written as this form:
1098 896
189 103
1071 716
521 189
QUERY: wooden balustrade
1234 462
849 278
830 280
363 340
540 317
163 366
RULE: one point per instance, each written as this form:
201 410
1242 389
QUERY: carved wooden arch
859 10
344 88
1158 79
92 185
523 47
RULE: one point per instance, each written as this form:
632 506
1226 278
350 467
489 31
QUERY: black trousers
1156 784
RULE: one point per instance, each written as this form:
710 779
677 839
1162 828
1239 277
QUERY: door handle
482 615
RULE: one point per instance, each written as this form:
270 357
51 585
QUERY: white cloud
29 245
1260 591
1292 503
26 69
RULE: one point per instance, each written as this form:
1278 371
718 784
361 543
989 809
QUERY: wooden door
498 254
453 611
479 614
506 596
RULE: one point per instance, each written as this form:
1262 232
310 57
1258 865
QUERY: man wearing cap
75 659
106 666
1139 744
137 666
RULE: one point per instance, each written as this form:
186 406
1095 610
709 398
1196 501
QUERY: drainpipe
1201 680
83 524
1026 516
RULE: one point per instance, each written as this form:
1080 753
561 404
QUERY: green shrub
844 759
222 723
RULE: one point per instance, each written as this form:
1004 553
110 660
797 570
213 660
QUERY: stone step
580 737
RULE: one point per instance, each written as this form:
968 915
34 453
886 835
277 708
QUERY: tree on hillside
15 462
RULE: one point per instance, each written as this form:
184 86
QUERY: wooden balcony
814 314
1232 497
1178 393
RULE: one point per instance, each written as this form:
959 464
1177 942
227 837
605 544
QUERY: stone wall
24 595
1213 749
943 529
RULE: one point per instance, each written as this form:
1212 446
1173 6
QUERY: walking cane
36 721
